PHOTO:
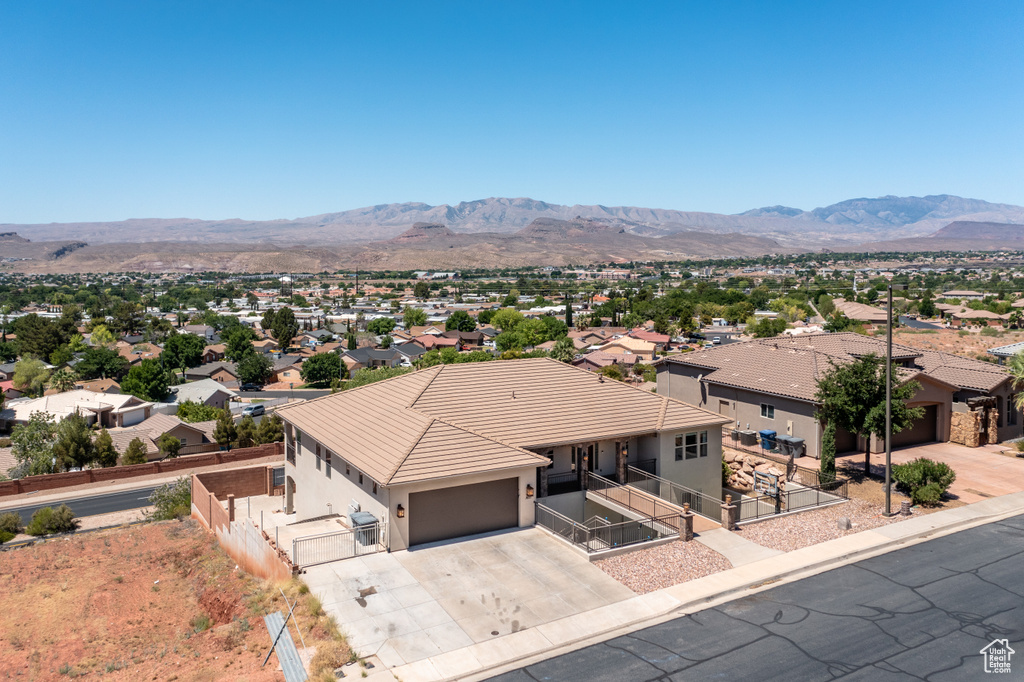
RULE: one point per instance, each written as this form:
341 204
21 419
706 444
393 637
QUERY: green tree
62 380
825 305
285 327
169 445
554 328
270 430
183 351
413 317
246 432
350 341
255 368
421 290
381 325
238 343
564 350
30 376
460 321
61 355
8 351
506 319
827 466
386 341
611 371
190 411
926 308
507 341
320 369
225 432
568 312
40 337
532 332
101 336
146 380
101 363
106 455
852 397
32 446
135 453
767 328
73 446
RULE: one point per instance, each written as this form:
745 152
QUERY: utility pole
888 405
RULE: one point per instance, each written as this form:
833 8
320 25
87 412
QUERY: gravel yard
787 533
646 570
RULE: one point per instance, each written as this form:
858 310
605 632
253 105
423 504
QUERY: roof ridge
425 387
661 413
349 391
401 460
484 435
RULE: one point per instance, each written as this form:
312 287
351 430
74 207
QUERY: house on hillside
770 384
455 450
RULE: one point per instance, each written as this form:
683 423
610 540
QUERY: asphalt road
920 613
914 323
96 504
306 393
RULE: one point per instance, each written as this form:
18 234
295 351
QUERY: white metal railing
311 550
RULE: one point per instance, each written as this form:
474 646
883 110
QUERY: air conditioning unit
353 508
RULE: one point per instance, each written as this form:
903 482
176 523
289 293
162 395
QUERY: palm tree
1016 368
62 380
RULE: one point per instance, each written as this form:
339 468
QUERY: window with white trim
327 462
767 411
691 445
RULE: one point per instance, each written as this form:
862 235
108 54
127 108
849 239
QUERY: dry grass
153 602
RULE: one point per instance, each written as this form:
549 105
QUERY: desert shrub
990 331
1020 446
47 521
10 525
5 442
200 623
726 473
924 479
172 500
963 332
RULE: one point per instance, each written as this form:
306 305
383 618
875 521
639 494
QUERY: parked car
253 410
250 387
717 340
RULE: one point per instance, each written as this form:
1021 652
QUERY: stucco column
231 508
620 465
289 495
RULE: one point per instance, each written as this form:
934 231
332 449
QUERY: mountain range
508 232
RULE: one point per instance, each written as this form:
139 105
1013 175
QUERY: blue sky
264 110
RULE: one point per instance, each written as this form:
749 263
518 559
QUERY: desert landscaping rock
652 569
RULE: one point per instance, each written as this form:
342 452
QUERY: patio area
281 527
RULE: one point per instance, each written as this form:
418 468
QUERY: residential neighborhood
566 457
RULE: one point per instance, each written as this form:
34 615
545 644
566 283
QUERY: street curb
752 587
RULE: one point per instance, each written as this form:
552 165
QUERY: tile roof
791 366
860 311
453 420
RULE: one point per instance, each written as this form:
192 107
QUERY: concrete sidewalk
485 659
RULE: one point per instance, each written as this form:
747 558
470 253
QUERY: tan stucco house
769 384
455 450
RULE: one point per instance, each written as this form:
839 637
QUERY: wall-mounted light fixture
400 512
529 490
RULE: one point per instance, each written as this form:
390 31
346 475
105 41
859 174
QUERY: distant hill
421 232
857 220
962 229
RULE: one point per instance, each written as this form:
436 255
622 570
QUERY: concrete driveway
410 605
980 472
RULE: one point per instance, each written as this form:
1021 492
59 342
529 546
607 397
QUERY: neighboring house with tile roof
454 450
204 392
221 372
771 383
860 312
107 410
627 345
100 386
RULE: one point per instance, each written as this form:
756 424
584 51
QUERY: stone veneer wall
743 465
965 428
993 425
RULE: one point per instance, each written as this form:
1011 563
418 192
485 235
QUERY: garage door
923 430
845 441
463 510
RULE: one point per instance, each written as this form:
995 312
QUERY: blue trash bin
768 439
